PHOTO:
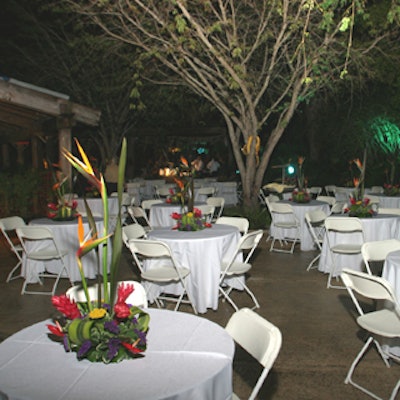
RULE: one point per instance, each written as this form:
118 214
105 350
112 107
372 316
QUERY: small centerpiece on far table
391 190
300 194
64 208
105 329
360 206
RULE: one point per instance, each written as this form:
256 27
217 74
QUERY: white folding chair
338 207
8 227
139 216
382 323
218 203
330 190
207 211
137 298
48 250
316 225
315 191
162 192
377 190
377 251
206 191
233 269
133 231
241 223
345 236
327 199
285 227
259 337
168 272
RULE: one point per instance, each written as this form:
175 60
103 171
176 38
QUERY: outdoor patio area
320 336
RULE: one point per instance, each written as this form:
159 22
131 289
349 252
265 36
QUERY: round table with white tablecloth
300 210
389 201
66 235
187 357
201 252
96 206
379 227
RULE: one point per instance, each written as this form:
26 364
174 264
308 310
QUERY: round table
187 357
389 201
300 210
201 252
96 206
66 235
379 227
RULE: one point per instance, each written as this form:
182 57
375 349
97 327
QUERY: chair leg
315 259
10 276
353 366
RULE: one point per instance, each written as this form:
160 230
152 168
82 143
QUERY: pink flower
66 306
124 290
122 310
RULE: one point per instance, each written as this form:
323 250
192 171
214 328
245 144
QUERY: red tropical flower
197 213
124 290
132 347
56 329
122 310
66 306
176 215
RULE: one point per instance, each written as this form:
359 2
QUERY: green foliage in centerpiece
360 206
391 190
190 221
300 194
105 329
64 209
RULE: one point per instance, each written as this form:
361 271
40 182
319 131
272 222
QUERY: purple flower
113 345
141 336
66 343
112 326
85 347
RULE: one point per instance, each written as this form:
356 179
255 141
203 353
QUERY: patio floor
320 336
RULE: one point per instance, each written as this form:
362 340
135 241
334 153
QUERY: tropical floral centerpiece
190 221
105 329
64 208
360 206
391 190
300 194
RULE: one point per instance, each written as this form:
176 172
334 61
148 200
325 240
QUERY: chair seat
237 268
383 322
346 248
164 274
286 225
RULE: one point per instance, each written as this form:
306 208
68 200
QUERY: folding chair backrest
34 233
240 222
249 242
10 224
208 191
133 231
281 208
327 199
379 249
150 248
260 338
393 211
343 224
368 286
218 203
146 204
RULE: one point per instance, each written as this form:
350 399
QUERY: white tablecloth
66 235
187 357
300 210
201 252
379 227
96 206
389 201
